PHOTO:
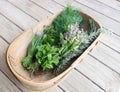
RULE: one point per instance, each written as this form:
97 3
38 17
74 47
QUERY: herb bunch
81 40
59 43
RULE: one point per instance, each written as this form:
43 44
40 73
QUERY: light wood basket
17 51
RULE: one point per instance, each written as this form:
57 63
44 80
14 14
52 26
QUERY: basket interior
18 48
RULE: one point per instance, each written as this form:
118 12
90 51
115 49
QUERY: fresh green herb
62 23
81 40
47 56
32 48
62 41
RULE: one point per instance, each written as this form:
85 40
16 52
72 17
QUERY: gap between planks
98 11
38 5
111 48
91 81
22 91
11 81
105 28
106 45
41 6
11 21
59 85
113 3
23 11
74 3
104 64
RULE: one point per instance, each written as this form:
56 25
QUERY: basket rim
54 78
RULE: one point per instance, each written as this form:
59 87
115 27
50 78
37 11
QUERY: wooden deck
99 72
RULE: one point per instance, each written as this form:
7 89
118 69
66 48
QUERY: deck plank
48 5
26 10
6 70
9 30
4 67
103 20
111 40
6 85
97 72
76 82
95 5
111 3
107 56
99 7
56 89
15 15
30 8
3 64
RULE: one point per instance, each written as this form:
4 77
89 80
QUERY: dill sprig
62 23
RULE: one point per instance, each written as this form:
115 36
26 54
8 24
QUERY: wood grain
30 8
97 72
109 39
107 56
76 82
9 30
6 85
17 52
48 5
15 15
105 21
112 41
56 89
3 65
6 70
99 7
111 3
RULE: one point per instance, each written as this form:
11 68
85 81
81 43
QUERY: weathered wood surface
6 85
95 73
111 3
31 9
15 15
102 8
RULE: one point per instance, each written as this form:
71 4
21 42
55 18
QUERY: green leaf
26 61
49 56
